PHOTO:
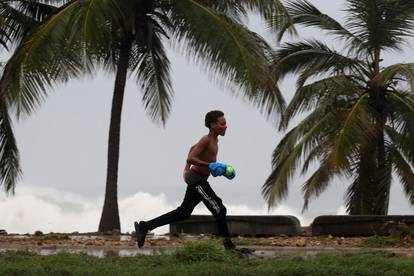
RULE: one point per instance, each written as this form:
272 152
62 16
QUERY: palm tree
360 113
16 19
128 37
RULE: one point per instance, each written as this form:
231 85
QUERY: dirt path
124 245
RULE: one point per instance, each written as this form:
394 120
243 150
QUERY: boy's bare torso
209 154
206 152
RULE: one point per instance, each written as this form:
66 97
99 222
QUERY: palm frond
381 24
401 142
234 56
314 155
313 58
272 11
405 173
358 193
37 10
289 152
52 53
391 74
354 130
10 171
304 13
309 96
154 78
21 16
369 192
401 107
318 182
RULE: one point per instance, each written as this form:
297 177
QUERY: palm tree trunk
375 172
383 175
110 213
383 182
380 175
365 186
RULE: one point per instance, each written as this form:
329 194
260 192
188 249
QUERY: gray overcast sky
63 150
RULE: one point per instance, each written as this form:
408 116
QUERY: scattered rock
306 231
301 243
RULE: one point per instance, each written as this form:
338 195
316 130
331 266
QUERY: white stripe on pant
209 199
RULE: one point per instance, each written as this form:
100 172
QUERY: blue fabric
217 169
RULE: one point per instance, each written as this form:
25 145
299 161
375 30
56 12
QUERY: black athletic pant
198 189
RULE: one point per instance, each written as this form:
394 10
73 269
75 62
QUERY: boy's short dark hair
212 116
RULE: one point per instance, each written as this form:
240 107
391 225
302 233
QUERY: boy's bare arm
187 165
196 151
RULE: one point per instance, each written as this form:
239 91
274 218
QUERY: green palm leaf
272 11
154 78
318 182
369 193
353 131
402 108
21 16
10 171
230 54
405 173
313 58
289 152
309 96
381 24
393 73
358 193
304 13
53 53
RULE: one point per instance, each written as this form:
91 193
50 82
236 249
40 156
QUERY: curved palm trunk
110 213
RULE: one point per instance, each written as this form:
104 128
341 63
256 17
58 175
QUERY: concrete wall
239 225
347 226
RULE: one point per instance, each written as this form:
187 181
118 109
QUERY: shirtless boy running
200 163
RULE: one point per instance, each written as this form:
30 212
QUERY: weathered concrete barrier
364 225
240 225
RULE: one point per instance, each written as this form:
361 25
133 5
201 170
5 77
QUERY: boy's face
220 126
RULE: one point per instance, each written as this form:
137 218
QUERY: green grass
381 241
205 258
253 241
399 232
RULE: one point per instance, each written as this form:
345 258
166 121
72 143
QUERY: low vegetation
204 258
